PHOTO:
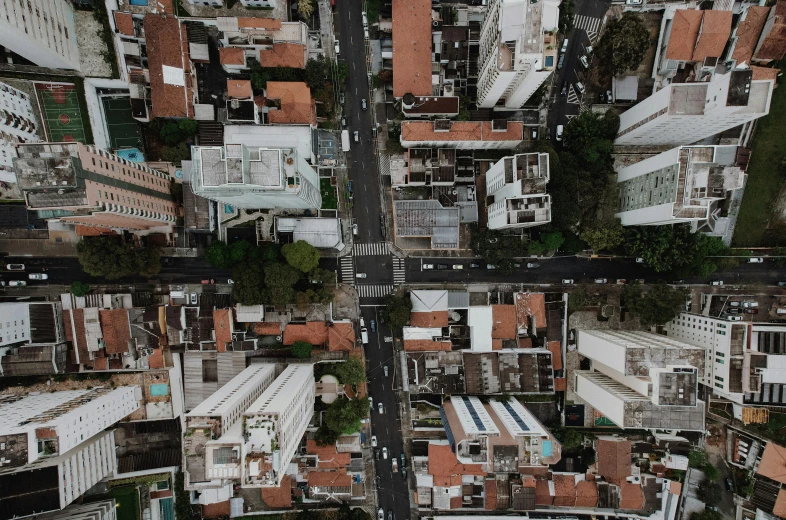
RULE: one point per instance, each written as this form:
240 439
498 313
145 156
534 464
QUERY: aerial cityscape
392 259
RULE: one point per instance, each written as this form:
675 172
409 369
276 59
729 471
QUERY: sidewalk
37 247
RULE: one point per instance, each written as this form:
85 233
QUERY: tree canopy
604 238
301 349
80 289
351 371
659 305
710 493
675 249
343 415
301 255
623 44
396 311
111 257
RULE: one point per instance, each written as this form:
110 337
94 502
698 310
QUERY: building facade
41 31
17 126
32 339
518 185
87 186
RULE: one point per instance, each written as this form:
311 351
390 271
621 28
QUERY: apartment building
687 184
103 510
412 48
41 31
642 380
518 51
467 135
684 113
518 185
213 440
269 41
17 125
84 185
274 425
254 177
32 339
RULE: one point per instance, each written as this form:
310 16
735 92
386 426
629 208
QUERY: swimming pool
546 449
137 2
132 154
229 209
159 389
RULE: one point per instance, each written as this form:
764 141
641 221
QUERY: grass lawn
764 177
127 498
329 200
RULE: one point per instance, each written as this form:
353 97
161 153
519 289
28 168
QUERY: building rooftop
232 56
445 468
715 32
169 66
124 23
614 458
429 319
297 105
684 33
341 337
429 300
504 322
688 99
412 48
445 130
116 330
773 463
772 44
748 33
437 105
239 88
283 55
313 332
428 218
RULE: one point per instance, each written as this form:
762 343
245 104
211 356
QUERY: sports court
122 127
59 104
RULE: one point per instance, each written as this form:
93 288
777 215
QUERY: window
718 378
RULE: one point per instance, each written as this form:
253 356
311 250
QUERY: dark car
729 484
443 266
349 186
751 311
475 266
373 325
376 454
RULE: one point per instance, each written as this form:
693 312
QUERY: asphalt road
392 491
362 161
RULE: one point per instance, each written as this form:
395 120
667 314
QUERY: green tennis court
59 104
123 128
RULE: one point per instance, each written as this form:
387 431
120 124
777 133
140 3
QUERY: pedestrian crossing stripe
399 270
374 291
348 270
573 98
377 249
588 24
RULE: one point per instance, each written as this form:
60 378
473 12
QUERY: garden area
328 192
127 498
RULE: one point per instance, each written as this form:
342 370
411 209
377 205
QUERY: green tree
301 255
552 241
239 251
590 137
623 44
176 153
182 498
325 436
268 252
174 132
322 276
217 255
301 349
396 311
659 305
535 248
604 238
248 288
351 371
305 8
675 249
80 289
781 252
344 415
568 437
148 261
110 257
317 72
566 12
280 295
280 275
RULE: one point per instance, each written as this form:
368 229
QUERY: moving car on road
457 267
15 267
363 103
360 275
381 514
428 266
567 281
381 409
385 453
373 441
373 325
757 260
601 280
17 283
533 265
38 276
716 282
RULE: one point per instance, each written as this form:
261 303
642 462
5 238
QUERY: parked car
756 260
380 513
475 266
567 281
350 186
749 305
230 281
385 370
580 87
337 47
491 266
371 403
457 267
404 473
564 91
601 280
716 282
376 455
735 303
729 484
38 276
428 266
751 311
15 267
363 103
354 229
365 19
639 260
733 310
584 61
781 284
357 136
403 460
17 283
560 129
193 298
734 318
360 275
344 122
373 441
385 453
341 98
442 267
373 325
533 265
381 409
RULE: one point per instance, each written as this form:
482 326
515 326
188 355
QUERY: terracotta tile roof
614 459
231 56
115 329
503 319
93 231
267 328
491 494
327 455
341 337
412 47
279 497
115 364
586 494
284 55
555 347
543 495
445 467
167 46
101 363
531 304
217 510
456 502
461 131
81 333
420 345
675 487
314 332
764 73
715 32
124 23
748 33
297 105
525 342
429 319
222 324
270 24
496 344
337 478
773 463
684 33
780 504
239 88
560 384
156 359
161 494
772 45
631 496
564 490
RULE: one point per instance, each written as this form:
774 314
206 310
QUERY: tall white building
681 185
518 185
16 126
274 425
518 51
41 31
684 113
254 177
642 380
32 338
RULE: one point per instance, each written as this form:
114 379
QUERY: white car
758 260
360 275
193 298
363 103
17 283
354 229
639 260
373 441
750 305
357 136
384 455
38 276
428 266
584 62
734 318
337 48
567 281
380 514
601 280
365 19
560 129
716 282
457 267
370 403
381 409
230 281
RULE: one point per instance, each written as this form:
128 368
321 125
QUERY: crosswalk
573 97
374 291
348 270
399 270
377 249
589 25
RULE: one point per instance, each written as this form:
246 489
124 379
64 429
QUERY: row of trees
111 257
657 306
269 274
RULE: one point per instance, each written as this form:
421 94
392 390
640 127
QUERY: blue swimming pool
159 389
137 2
546 449
179 174
229 209
166 509
132 154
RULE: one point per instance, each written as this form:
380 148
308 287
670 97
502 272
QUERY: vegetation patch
328 192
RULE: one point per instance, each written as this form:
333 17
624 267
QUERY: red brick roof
764 73
338 478
284 55
773 42
341 337
631 496
614 459
531 304
124 23
267 328
156 359
314 332
491 494
279 497
586 494
564 490
543 495
429 319
715 32
684 33
80 342
222 324
748 33
115 329
167 46
297 105
445 467
327 455
555 347
231 56
461 131
101 363
560 384
93 231
503 319
421 345
217 510
412 47
239 88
